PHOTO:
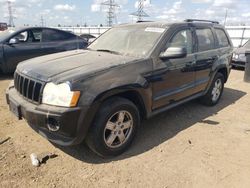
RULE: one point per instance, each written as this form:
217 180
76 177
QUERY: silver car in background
239 57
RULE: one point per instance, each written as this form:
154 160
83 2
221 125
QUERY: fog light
53 125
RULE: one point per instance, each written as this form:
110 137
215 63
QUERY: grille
28 88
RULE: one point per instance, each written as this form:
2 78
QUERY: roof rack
197 20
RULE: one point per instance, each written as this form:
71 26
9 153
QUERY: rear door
29 46
206 56
54 41
224 45
176 77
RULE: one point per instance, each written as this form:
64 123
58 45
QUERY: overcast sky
72 12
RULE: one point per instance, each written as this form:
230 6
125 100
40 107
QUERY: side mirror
13 41
240 46
174 52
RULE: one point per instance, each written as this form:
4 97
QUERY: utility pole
112 6
42 21
225 21
140 14
10 16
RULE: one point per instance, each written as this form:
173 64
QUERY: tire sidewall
221 77
100 124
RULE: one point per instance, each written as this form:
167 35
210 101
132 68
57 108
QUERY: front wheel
114 127
215 91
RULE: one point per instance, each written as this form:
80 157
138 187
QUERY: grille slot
28 88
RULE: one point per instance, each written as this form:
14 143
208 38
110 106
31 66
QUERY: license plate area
15 109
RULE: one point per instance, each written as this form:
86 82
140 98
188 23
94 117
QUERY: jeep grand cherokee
101 94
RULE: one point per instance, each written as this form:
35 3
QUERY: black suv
131 72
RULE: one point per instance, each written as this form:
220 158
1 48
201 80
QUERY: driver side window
29 36
22 37
182 39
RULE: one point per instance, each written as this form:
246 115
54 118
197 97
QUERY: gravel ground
189 146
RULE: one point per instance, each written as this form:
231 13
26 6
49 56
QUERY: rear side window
222 38
50 35
36 34
205 39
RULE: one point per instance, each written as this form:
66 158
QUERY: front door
176 77
29 46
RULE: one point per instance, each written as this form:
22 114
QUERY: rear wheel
114 127
215 91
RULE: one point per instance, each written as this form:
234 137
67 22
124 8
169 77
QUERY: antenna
10 16
111 11
140 12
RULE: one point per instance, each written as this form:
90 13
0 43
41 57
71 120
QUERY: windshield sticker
155 29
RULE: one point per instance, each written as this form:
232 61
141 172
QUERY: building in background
3 26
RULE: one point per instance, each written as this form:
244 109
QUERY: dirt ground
189 146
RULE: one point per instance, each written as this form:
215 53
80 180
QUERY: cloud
209 12
64 7
246 14
172 13
232 4
202 1
95 7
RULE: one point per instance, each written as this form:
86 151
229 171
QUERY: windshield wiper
109 51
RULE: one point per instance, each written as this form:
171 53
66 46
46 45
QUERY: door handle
190 66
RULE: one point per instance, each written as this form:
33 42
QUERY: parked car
239 57
27 43
88 37
131 72
3 26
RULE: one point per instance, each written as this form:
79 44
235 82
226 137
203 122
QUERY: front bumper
69 120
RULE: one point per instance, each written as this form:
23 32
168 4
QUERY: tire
212 97
109 135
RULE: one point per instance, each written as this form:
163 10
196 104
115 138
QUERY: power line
140 13
111 5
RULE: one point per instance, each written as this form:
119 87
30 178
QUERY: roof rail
197 20
141 21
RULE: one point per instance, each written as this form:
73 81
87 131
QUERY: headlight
242 56
236 56
60 95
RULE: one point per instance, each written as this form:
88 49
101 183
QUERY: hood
69 65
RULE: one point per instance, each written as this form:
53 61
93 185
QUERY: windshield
5 34
137 42
247 45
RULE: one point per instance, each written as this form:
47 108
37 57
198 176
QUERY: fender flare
95 105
